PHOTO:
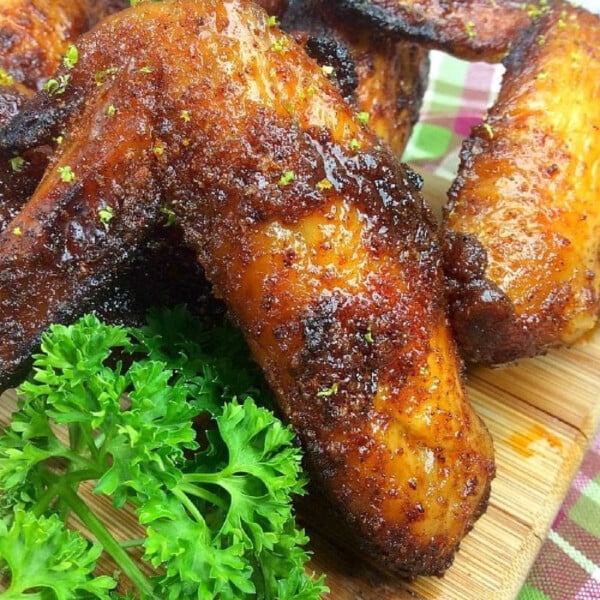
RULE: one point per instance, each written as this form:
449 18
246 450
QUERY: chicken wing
523 221
383 78
469 29
315 237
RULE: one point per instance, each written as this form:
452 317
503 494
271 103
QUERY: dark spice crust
317 240
382 77
469 29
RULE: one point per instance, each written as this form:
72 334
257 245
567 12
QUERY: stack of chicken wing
244 155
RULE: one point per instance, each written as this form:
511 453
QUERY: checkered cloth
568 565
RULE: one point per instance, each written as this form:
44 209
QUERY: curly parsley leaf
41 554
164 419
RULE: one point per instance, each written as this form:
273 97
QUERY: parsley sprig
171 420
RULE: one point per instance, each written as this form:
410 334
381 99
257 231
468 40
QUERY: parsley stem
108 542
188 504
194 490
216 478
55 485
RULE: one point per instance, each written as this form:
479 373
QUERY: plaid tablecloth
568 565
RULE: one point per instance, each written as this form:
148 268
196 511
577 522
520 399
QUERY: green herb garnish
115 407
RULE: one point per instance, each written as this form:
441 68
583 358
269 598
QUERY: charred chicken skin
522 223
469 29
315 237
384 79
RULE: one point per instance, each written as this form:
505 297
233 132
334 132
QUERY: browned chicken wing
523 220
315 237
383 78
469 29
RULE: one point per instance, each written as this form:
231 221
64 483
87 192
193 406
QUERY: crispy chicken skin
469 29
522 226
315 237
383 78
19 174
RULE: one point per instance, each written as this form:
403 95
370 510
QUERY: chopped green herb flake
169 214
363 117
100 76
71 57
58 85
111 110
5 78
324 184
17 163
66 174
355 145
470 30
287 178
106 215
329 391
280 45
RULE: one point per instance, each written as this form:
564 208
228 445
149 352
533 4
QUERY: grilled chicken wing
317 240
469 29
19 174
383 78
523 220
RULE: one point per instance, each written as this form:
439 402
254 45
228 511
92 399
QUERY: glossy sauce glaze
522 226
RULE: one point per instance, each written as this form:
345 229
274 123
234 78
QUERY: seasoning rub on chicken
522 226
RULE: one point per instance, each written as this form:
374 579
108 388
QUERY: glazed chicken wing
384 79
34 35
469 29
163 271
315 237
523 219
